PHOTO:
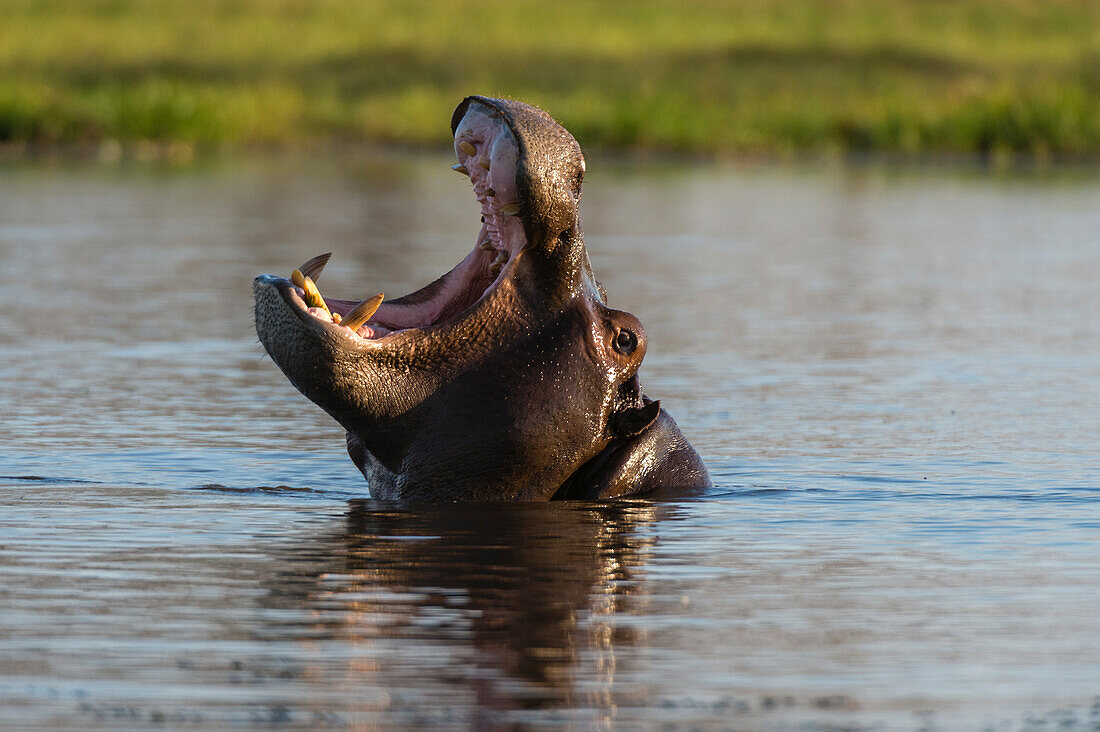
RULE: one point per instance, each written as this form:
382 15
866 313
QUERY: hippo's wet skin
508 378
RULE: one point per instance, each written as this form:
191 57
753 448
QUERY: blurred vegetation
710 76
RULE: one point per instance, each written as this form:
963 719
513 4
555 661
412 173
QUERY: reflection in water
516 602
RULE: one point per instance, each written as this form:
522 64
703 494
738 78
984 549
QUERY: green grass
743 76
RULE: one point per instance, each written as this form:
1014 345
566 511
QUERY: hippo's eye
625 342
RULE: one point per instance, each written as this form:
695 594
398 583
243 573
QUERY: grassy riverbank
909 76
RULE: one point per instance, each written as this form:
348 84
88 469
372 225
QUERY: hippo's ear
633 420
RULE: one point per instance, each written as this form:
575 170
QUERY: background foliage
908 76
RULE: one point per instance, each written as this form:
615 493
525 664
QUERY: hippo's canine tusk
313 295
498 263
362 312
314 267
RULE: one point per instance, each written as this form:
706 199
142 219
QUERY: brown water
894 376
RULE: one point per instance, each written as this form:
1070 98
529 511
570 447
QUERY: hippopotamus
508 378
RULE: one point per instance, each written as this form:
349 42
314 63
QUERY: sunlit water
894 377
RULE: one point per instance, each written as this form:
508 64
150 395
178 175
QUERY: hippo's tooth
510 209
498 263
502 257
460 168
314 267
313 296
467 148
362 312
487 245
490 192
298 279
483 163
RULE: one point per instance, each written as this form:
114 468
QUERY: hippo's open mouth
509 377
487 153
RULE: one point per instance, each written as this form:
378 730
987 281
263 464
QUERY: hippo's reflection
499 606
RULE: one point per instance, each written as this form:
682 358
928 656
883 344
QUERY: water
894 376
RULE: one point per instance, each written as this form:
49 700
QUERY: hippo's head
509 377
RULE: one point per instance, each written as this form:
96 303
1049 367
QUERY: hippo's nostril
626 342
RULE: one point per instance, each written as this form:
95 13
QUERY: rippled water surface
894 377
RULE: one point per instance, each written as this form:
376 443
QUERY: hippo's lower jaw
508 377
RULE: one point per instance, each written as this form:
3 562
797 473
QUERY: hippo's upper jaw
506 378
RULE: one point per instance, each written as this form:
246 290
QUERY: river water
893 374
